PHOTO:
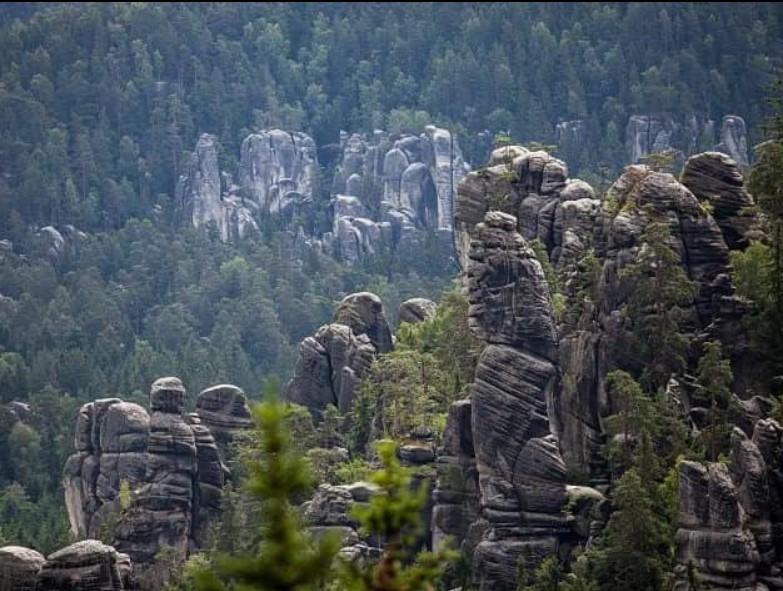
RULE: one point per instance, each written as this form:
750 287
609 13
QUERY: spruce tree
660 295
287 558
715 377
394 516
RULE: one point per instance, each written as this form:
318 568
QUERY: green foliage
550 576
660 161
410 390
660 294
714 376
394 516
635 550
286 558
765 182
354 470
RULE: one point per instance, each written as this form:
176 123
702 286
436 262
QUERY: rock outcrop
88 565
278 170
19 568
202 201
332 362
85 566
168 462
521 473
734 140
455 514
646 134
730 521
416 310
389 195
716 179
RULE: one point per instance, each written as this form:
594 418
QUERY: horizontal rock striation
332 362
151 479
521 472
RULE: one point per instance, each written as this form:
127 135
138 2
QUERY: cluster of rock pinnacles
537 406
173 465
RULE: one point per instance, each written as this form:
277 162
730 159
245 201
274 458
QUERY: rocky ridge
389 196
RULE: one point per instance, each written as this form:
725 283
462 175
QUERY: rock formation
390 200
167 461
388 195
416 310
521 473
456 496
646 134
84 566
331 363
734 140
201 200
278 170
730 519
716 179
19 568
571 140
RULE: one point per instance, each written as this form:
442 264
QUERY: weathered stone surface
363 313
416 310
169 461
278 169
521 472
571 140
456 494
19 568
402 192
646 134
88 565
332 362
200 197
716 179
734 140
712 535
504 310
223 410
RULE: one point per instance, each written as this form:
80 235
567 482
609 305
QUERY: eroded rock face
401 191
734 140
521 472
168 461
223 411
716 179
363 312
456 495
278 169
201 199
646 134
416 310
86 566
332 362
19 568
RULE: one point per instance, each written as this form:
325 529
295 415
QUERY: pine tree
715 377
661 291
394 516
287 558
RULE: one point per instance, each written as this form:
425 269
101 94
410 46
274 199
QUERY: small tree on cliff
287 558
660 293
394 516
715 377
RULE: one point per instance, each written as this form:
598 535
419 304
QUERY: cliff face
521 473
555 370
389 197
